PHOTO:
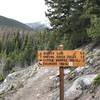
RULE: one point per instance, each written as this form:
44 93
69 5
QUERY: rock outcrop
17 79
75 91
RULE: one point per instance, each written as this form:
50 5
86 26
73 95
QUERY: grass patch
97 81
1 77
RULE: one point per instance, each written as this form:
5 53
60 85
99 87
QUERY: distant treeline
20 49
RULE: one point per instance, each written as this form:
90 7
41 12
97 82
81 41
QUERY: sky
26 11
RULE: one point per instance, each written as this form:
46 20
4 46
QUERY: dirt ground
36 88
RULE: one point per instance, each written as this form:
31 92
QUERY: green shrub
9 64
1 77
94 30
97 81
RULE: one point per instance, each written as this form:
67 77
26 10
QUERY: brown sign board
65 58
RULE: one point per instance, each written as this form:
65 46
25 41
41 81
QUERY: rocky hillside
38 83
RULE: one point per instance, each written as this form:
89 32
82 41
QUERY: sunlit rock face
17 79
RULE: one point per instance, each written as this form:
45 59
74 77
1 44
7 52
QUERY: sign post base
61 76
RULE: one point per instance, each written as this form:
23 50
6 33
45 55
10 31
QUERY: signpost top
61 47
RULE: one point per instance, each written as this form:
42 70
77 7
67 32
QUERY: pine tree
92 9
66 17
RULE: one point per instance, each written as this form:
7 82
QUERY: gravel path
36 88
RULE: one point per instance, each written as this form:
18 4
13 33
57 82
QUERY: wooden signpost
61 58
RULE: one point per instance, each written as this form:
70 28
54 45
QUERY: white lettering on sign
62 58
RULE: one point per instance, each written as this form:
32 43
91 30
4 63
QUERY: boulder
77 87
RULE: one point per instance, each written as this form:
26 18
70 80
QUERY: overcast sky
25 11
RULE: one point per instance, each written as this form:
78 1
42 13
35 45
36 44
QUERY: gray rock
97 53
79 84
17 79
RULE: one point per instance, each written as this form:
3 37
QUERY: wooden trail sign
65 58
61 58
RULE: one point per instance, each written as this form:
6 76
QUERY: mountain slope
10 23
37 25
